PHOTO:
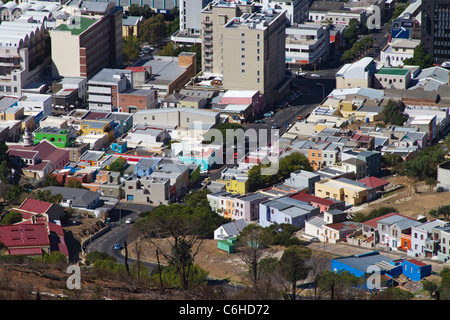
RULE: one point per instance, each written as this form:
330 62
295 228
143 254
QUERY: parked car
315 75
267 114
299 117
259 121
301 74
275 126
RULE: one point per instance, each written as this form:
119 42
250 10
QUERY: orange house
405 241
315 158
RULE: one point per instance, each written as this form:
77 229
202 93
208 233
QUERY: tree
50 180
430 286
47 196
131 46
293 266
251 245
393 113
420 58
137 10
11 217
424 163
153 30
375 213
293 162
340 286
172 230
118 165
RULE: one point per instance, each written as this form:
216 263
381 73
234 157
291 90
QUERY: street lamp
323 90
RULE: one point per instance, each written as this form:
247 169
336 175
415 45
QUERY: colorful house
414 269
58 137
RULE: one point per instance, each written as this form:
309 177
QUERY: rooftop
81 25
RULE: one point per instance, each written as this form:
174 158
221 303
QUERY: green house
57 136
227 245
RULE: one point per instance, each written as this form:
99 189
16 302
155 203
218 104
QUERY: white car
128 220
315 75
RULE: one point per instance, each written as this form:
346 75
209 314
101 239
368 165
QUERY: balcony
208 37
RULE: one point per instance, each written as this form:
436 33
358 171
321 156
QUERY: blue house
414 269
146 166
119 147
366 264
286 210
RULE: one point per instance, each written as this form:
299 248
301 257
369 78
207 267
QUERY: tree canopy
420 58
393 113
290 163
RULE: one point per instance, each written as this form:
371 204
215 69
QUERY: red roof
24 235
25 252
416 262
35 206
374 182
312 199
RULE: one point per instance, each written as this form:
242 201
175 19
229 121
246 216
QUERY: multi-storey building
24 54
296 10
435 23
105 86
307 44
246 47
93 31
190 22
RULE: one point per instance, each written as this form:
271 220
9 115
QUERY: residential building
285 210
31 240
392 228
94 32
443 175
414 269
148 189
342 189
59 137
34 104
38 160
324 204
40 209
443 253
307 45
360 266
247 206
235 32
301 180
230 229
425 239
236 180
76 198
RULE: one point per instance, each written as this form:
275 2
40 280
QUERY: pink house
242 97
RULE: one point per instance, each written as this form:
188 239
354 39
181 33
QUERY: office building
435 23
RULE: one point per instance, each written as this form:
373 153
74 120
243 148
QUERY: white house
231 229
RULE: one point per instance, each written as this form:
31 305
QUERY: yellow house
235 185
131 25
342 189
347 109
97 127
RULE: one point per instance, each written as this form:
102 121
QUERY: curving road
119 232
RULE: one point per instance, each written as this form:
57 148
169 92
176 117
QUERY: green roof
81 25
393 71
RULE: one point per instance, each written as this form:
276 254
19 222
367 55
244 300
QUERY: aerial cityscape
224 150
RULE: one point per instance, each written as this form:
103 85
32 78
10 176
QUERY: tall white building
296 10
307 44
190 22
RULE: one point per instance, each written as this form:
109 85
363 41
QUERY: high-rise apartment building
190 22
247 47
93 32
435 25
